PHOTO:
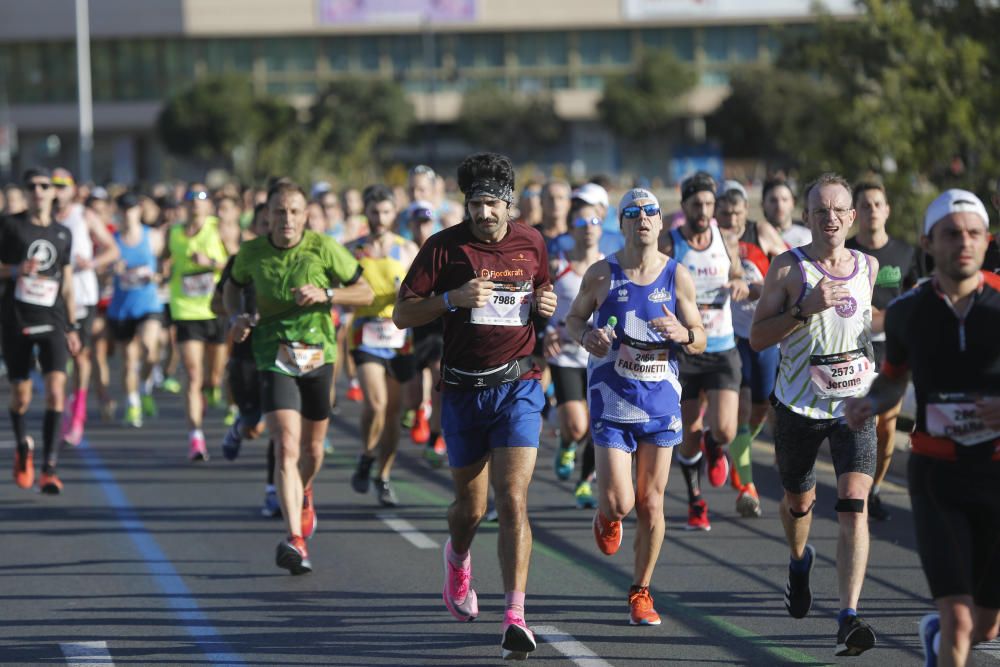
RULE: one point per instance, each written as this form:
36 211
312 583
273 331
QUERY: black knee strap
799 515
856 505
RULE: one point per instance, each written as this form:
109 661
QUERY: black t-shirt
897 269
946 356
35 304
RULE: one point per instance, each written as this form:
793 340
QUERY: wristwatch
329 294
797 313
690 336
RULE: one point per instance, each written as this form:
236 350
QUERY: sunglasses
191 196
39 185
583 222
531 193
632 212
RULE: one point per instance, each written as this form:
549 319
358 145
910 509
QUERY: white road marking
84 654
577 653
992 649
408 531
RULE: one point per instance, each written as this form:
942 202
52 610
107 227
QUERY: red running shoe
420 433
354 392
49 484
309 521
716 464
698 516
293 556
607 534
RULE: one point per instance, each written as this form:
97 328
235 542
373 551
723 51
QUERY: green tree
375 112
647 101
493 119
219 117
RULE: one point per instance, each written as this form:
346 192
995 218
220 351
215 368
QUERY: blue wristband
447 303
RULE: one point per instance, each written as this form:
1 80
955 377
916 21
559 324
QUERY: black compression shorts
570 383
956 511
307 394
18 352
797 440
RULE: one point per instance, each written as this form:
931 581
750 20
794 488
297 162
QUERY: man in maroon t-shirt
485 277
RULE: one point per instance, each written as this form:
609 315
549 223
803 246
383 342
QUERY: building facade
144 50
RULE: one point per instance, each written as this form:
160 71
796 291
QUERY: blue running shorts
661 431
476 421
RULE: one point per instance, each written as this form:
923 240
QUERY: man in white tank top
93 249
816 303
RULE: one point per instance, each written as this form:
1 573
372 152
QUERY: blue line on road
179 597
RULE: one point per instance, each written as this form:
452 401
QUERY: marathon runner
428 343
954 466
37 311
566 358
87 231
485 277
897 272
758 242
816 302
778 202
135 312
197 257
297 274
714 264
645 312
383 354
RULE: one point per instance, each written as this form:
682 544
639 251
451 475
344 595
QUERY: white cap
954 201
634 195
592 193
731 185
320 188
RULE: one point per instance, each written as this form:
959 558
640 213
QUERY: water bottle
609 329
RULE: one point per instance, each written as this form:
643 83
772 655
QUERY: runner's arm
413 311
358 293
110 253
593 290
772 321
687 310
770 239
68 296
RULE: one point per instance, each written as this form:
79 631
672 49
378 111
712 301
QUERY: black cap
126 201
35 172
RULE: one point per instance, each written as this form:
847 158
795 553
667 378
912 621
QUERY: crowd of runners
470 327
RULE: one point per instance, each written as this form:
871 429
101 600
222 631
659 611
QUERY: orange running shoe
49 484
608 534
640 607
354 392
420 433
748 502
309 521
24 464
293 556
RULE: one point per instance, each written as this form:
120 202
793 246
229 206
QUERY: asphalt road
149 560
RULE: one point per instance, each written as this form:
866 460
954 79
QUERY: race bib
713 318
509 306
37 290
134 278
198 284
299 358
382 333
955 416
652 365
841 375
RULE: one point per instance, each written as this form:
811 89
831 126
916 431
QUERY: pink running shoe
459 597
518 641
198 451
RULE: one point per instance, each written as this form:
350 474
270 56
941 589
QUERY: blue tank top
135 296
637 381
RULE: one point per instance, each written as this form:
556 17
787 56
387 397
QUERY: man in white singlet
816 303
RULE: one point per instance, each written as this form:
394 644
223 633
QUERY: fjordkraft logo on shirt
492 274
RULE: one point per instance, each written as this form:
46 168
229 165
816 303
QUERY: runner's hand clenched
545 301
670 327
473 294
826 294
309 295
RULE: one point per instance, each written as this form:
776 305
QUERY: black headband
490 187
696 185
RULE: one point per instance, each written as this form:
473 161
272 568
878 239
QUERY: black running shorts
19 352
709 371
570 383
401 367
956 511
797 440
212 331
308 394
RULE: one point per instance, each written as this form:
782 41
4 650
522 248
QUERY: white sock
133 399
196 433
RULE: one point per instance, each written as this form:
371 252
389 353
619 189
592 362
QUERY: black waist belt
491 377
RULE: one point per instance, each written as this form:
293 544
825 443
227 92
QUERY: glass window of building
368 53
406 53
336 51
479 50
541 48
679 40
607 47
290 55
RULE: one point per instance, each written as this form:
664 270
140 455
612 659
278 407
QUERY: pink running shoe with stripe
518 640
459 597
